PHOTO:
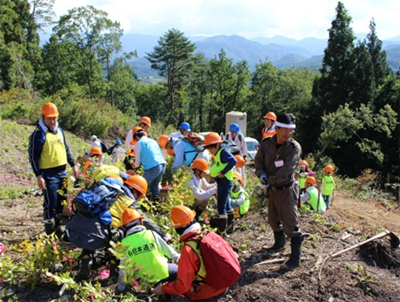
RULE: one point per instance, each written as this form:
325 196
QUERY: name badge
279 163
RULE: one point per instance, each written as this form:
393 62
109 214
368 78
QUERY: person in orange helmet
222 171
95 155
147 251
189 285
269 125
49 155
201 189
145 124
328 185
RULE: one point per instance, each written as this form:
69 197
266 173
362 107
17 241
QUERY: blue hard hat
234 128
185 126
118 142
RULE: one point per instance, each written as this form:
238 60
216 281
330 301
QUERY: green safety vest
218 166
329 185
144 251
302 182
313 201
243 208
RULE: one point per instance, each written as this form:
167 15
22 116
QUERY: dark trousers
52 199
223 192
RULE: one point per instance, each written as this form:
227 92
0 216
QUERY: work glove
263 179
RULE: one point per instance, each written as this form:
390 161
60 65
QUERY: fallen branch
380 235
278 260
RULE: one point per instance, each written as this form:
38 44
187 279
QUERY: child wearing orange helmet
328 185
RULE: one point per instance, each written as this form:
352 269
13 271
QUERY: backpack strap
240 137
194 243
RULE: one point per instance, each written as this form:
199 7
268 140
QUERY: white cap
94 137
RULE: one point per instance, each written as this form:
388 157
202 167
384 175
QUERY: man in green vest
148 253
48 156
312 196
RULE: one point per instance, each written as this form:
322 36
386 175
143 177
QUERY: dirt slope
368 273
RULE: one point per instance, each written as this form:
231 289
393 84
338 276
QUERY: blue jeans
52 199
327 199
153 177
224 187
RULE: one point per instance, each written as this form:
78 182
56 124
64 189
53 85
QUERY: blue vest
190 153
150 154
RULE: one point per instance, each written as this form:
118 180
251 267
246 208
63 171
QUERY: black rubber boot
294 260
114 269
199 210
231 223
280 241
86 257
49 226
221 226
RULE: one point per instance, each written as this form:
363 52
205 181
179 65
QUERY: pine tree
174 59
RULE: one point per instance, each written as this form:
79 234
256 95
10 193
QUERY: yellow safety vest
53 153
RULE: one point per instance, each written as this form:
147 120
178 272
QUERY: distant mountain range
283 52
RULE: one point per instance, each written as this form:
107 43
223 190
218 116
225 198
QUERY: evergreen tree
378 56
20 56
174 59
336 82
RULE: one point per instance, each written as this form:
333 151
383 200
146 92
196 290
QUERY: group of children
318 200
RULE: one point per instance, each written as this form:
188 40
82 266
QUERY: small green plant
244 227
263 227
321 219
335 227
304 209
362 279
243 247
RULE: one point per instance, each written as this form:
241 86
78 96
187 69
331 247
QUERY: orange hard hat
311 180
130 215
136 129
137 182
50 110
328 168
130 172
200 164
181 216
238 177
145 120
162 141
271 116
211 139
95 151
117 178
239 161
170 151
303 163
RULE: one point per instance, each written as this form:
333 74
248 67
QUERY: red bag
220 260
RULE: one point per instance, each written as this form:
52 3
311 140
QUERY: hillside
367 273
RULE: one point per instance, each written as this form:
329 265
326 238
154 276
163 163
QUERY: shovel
394 242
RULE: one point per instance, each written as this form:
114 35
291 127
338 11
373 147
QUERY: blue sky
248 18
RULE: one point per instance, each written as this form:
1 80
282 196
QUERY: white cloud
249 18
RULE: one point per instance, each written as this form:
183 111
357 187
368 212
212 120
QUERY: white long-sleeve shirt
201 189
241 143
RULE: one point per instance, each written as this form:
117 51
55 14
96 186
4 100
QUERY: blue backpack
97 199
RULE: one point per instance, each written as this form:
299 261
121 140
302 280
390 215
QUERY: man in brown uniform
276 162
